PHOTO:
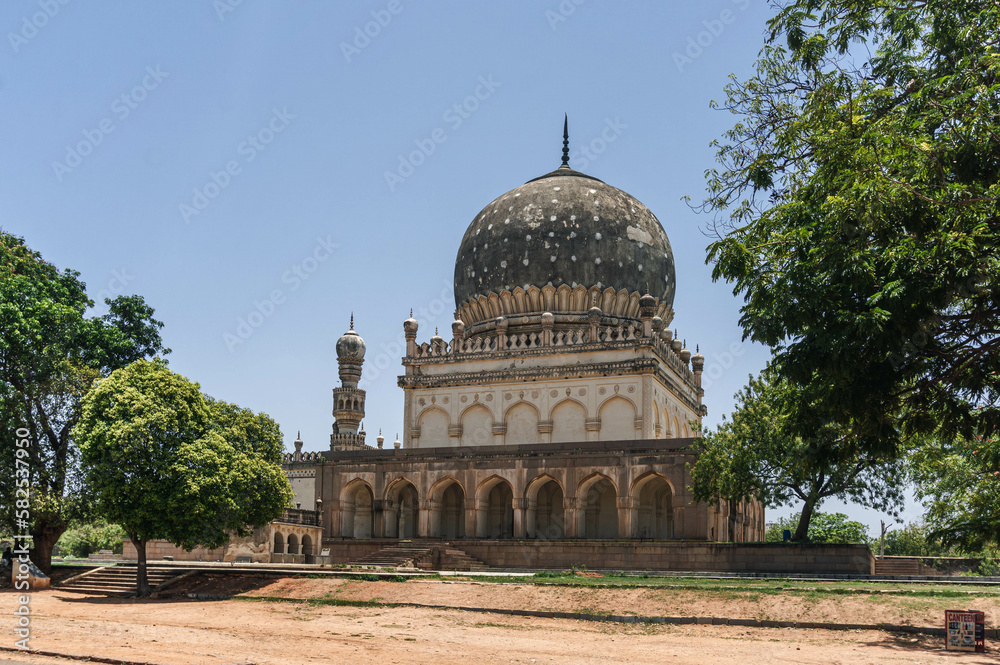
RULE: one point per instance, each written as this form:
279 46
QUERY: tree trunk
802 530
141 584
44 537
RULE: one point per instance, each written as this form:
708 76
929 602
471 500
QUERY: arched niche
433 423
617 420
477 426
569 422
522 424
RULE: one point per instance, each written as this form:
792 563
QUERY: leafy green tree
914 539
82 540
50 354
759 454
834 528
959 482
164 462
857 207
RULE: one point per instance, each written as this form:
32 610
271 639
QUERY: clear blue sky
225 158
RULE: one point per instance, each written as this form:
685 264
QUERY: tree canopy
959 482
164 462
834 528
856 210
50 353
759 453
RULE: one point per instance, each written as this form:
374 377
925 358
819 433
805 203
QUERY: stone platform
667 555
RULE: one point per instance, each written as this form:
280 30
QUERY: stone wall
778 558
157 549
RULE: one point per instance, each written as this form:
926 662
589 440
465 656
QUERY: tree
959 482
834 528
913 540
50 354
759 454
857 209
166 463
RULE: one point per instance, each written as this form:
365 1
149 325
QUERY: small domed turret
350 344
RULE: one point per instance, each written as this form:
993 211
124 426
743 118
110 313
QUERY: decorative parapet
299 516
347 441
291 458
499 344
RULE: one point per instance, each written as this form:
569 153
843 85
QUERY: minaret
348 400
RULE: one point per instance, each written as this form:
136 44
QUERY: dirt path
806 607
221 632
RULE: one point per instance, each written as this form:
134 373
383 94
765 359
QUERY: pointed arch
357 510
447 509
617 416
433 423
569 421
401 509
545 509
652 506
495 508
597 516
521 421
477 426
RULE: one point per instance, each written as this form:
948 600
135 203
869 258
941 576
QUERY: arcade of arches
604 493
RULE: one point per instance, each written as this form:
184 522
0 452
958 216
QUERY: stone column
648 416
470 517
423 518
519 526
531 518
481 525
569 517
625 514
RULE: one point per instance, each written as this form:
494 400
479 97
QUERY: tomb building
561 407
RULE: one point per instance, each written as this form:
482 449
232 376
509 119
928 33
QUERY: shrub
82 540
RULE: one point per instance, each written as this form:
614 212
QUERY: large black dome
565 228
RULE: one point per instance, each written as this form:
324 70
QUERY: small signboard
965 630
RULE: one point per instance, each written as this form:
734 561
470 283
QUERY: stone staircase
118 580
423 554
903 566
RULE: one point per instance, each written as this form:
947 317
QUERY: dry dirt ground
185 631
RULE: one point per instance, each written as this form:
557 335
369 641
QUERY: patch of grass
337 602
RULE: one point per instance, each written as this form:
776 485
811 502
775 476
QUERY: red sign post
965 630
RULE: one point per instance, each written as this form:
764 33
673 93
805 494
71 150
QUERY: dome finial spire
565 155
352 320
